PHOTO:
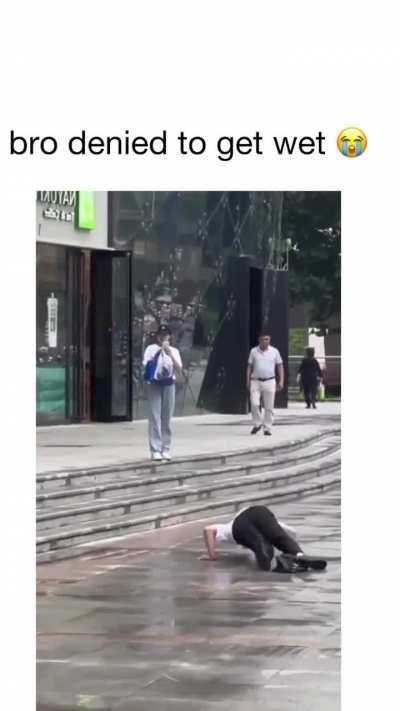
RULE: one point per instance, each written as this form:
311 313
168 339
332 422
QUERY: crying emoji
352 142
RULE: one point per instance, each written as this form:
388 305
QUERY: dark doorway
62 336
83 362
111 360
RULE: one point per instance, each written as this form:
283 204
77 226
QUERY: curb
145 465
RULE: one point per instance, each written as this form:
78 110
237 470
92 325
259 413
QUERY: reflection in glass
181 244
51 335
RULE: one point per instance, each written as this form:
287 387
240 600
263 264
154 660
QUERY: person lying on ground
257 529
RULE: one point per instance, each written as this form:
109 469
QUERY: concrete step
170 478
79 477
67 541
165 498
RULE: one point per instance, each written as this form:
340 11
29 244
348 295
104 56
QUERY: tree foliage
311 220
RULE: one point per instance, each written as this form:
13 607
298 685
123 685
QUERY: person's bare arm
281 377
209 534
177 365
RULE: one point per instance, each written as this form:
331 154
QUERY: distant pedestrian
310 377
264 366
258 529
162 364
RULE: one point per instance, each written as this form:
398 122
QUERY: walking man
162 363
258 529
264 364
310 375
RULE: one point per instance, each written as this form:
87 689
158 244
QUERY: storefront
113 266
83 334
212 265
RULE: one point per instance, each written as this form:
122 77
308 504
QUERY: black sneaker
267 432
299 564
310 562
255 430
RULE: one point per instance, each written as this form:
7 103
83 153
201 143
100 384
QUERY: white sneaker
156 456
166 456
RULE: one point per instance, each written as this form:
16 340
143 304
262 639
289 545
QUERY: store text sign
58 204
69 206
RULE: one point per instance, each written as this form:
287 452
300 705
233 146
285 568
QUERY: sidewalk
100 444
147 625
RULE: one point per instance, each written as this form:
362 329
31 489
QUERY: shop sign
52 321
86 218
58 205
77 207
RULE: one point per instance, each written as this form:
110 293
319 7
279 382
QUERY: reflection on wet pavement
144 624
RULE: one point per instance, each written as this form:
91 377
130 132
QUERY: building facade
83 316
112 268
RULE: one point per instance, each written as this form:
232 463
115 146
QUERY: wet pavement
141 623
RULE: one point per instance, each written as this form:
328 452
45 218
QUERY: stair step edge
161 516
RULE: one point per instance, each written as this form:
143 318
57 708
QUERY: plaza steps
126 500
77 476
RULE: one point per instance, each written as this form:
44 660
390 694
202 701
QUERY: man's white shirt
264 362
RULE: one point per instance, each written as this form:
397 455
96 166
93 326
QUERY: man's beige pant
264 392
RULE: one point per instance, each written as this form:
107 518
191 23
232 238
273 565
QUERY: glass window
181 243
51 303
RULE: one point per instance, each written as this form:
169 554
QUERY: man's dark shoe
310 562
298 564
267 432
255 430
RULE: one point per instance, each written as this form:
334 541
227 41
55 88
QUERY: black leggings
258 529
310 388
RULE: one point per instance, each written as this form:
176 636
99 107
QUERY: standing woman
162 364
310 375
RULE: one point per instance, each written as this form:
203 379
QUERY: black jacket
309 369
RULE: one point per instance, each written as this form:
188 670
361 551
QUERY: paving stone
160 629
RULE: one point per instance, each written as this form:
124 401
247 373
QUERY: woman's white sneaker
156 457
166 456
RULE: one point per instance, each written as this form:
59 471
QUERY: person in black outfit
258 529
310 375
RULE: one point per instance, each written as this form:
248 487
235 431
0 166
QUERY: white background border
216 69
